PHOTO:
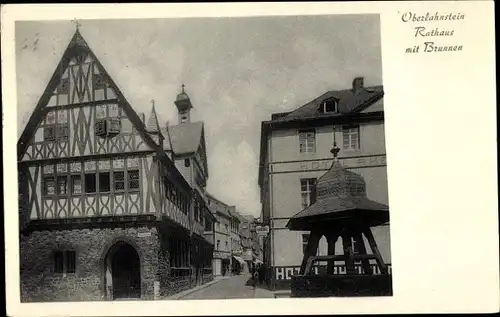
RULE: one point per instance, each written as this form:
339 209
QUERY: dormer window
328 106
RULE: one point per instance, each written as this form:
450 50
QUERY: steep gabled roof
153 125
167 144
348 102
186 137
78 44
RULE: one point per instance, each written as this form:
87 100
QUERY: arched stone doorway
122 272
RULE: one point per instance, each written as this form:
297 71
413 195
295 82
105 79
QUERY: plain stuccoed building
295 152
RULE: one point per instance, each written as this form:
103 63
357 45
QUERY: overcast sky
237 71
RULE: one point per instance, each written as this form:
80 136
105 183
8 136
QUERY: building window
49 133
104 182
218 244
76 184
62 185
100 128
62 132
350 136
119 181
328 106
187 162
64 262
227 246
307 140
307 191
90 183
108 122
196 210
208 225
133 180
49 186
107 127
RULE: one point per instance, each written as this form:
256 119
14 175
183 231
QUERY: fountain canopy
341 198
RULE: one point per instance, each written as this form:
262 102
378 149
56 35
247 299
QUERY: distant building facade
295 152
104 212
250 241
222 236
237 262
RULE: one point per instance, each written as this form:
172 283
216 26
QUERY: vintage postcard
226 159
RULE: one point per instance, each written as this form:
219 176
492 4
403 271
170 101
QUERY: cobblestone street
234 287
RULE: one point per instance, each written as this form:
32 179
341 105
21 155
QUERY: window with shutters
64 262
108 121
100 128
307 141
307 191
350 137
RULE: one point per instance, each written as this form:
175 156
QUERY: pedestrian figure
261 274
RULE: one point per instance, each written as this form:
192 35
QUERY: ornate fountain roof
340 196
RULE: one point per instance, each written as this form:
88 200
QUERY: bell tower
184 106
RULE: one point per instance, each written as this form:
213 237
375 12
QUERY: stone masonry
40 283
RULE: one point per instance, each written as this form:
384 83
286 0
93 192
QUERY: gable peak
77 40
153 125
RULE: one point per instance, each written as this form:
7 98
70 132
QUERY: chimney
357 83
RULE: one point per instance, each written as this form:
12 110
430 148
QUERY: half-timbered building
104 212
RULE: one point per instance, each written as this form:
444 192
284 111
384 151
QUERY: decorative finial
77 23
335 150
183 87
153 102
